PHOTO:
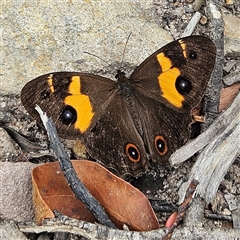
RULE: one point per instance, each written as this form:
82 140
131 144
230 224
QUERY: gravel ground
159 184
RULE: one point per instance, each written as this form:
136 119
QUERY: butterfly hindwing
113 134
165 129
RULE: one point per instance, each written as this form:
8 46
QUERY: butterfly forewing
73 100
178 73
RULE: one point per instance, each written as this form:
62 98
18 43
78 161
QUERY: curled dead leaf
124 204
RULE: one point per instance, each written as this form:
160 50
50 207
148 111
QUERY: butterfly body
127 122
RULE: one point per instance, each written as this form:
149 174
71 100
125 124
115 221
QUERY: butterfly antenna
124 50
92 54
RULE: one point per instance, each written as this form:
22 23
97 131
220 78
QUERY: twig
182 208
80 191
212 96
218 217
214 161
89 230
224 120
232 78
98 232
191 25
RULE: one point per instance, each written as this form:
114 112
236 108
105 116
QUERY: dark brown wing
178 73
88 107
165 87
107 141
165 129
74 101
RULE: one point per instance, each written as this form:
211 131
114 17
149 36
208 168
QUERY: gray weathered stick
191 25
223 147
212 96
232 78
224 120
98 232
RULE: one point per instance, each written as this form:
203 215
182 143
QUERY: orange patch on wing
167 80
183 46
81 103
50 84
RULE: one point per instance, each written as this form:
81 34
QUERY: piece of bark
89 230
236 217
234 206
232 78
229 65
214 162
225 119
98 232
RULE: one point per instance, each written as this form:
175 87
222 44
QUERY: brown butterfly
127 122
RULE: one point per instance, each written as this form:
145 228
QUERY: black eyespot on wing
68 115
192 54
183 85
133 152
161 145
45 94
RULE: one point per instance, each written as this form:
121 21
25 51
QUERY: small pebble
203 20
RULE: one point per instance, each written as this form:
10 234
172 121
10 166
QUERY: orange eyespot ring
133 152
160 145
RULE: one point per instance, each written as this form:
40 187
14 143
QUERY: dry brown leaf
51 191
227 95
123 203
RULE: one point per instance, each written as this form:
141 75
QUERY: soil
160 184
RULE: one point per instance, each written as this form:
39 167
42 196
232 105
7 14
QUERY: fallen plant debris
173 16
63 223
124 204
145 218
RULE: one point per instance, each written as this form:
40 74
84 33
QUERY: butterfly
129 122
